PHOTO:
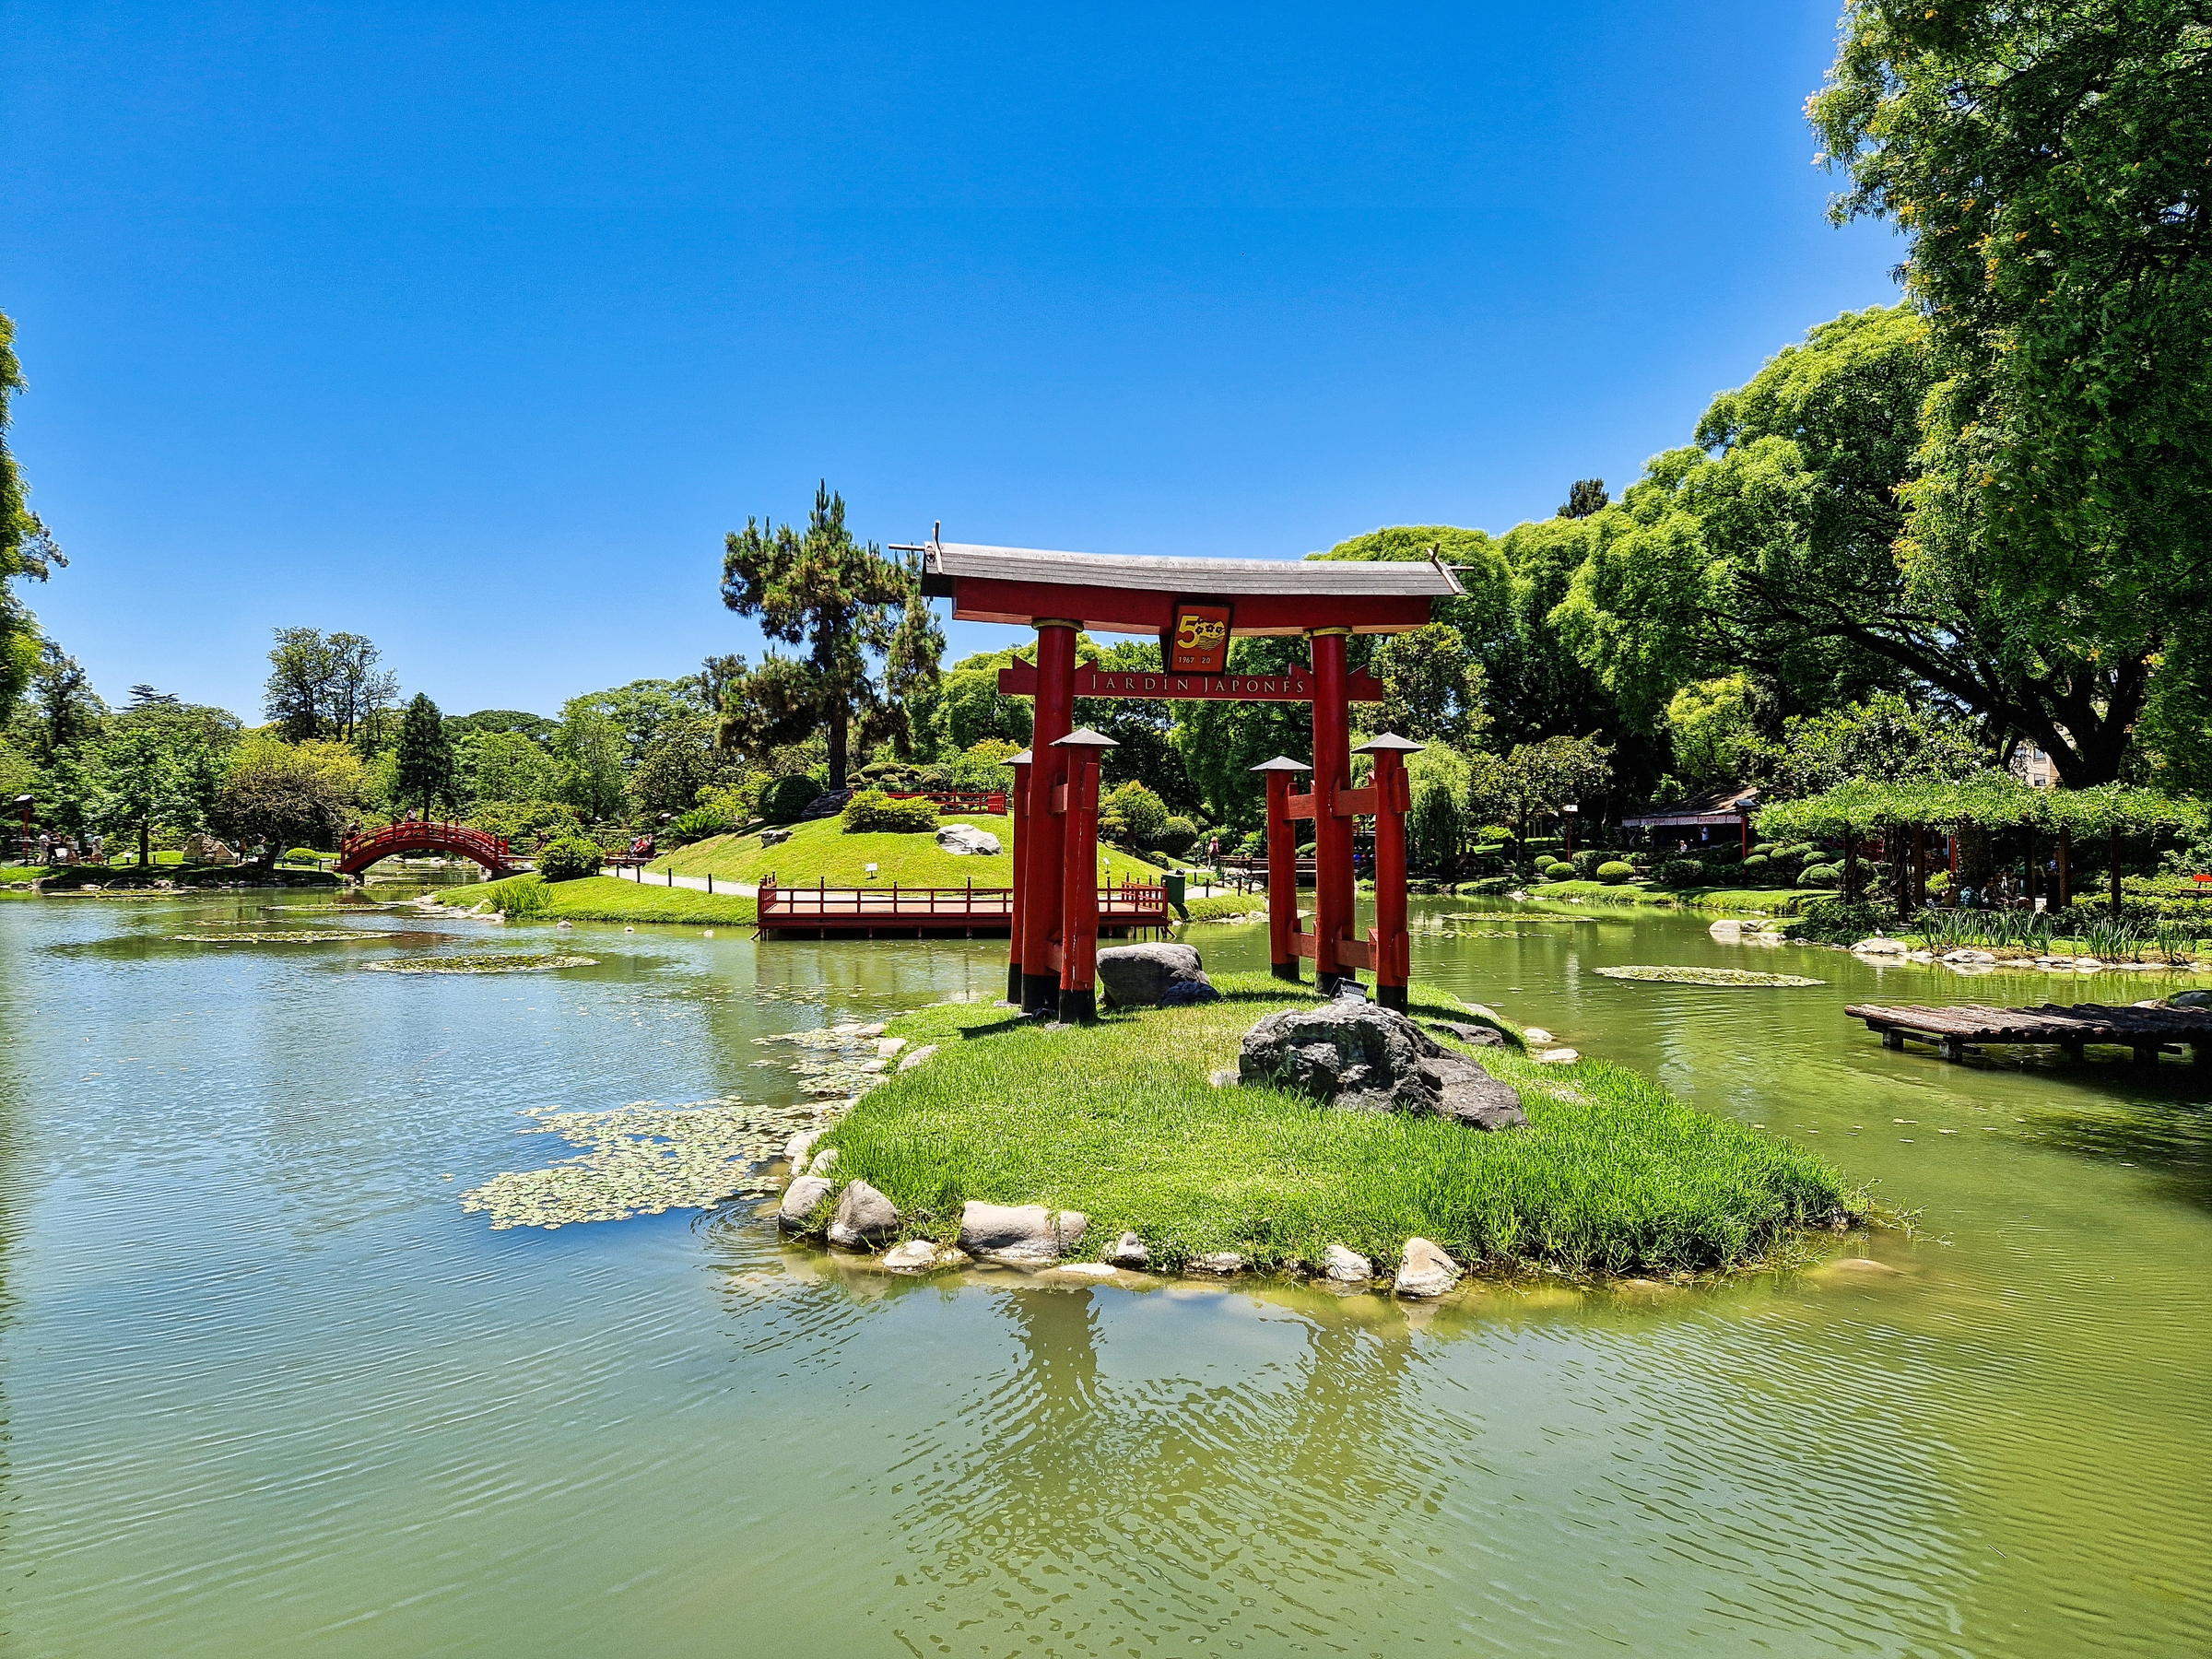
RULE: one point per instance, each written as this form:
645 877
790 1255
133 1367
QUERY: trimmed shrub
1756 866
1585 863
872 812
1762 848
1681 873
1613 872
1176 837
1488 887
570 857
1826 875
1557 870
787 796
1799 851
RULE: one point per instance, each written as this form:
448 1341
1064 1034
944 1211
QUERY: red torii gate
1194 607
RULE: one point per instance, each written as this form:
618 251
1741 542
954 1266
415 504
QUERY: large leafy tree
142 782
2051 160
1770 546
329 686
26 547
837 596
1535 780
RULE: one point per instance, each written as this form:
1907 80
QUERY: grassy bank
602 899
823 852
1747 902
1613 1173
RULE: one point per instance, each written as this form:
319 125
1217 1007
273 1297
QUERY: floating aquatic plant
644 1159
1707 976
532 963
278 936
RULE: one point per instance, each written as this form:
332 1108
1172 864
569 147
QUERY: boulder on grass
1362 1056
863 1216
1139 976
965 841
1019 1233
1346 1266
1129 1251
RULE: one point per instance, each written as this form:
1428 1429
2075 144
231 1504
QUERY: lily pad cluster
510 962
277 936
1707 976
644 1159
840 1060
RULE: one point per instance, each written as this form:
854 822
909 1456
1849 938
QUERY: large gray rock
863 1216
1018 1233
1137 976
1473 1036
967 841
1426 1270
774 837
799 1199
1363 1057
1129 1251
2190 999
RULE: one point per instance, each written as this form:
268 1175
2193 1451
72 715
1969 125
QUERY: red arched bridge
491 850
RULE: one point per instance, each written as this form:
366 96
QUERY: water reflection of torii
1332 1444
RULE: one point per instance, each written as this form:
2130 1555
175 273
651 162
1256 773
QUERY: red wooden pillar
1048 773
1018 803
1333 889
1282 865
1389 945
1078 1000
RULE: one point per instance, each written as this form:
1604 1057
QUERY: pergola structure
1195 607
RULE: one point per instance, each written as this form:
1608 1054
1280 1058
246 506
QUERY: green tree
821 588
425 768
1436 827
1534 780
61 711
680 766
26 547
1711 724
1587 497
1885 739
496 765
2051 160
588 752
140 784
301 688
1434 684
360 694
1771 547
1220 742
290 794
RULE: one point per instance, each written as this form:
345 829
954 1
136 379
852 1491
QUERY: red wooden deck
963 910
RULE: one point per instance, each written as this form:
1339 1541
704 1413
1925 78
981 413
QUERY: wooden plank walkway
1958 1027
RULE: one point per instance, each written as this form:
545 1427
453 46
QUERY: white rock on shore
1426 1270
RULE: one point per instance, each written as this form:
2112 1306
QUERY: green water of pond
269 1389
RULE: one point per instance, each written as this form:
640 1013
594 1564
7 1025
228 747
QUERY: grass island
1613 1174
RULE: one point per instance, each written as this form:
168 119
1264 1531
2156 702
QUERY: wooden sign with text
1198 643
1290 685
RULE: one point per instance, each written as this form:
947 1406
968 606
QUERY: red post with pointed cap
1282 865
1333 887
1079 1001
1390 946
1017 803
1048 771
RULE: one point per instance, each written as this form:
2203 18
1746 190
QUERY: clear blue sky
474 328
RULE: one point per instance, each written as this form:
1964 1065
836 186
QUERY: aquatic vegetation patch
1517 916
643 1159
537 961
277 936
1707 976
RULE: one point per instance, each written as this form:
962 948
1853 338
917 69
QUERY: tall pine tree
426 756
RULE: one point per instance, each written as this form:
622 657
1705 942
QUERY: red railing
1130 905
359 852
972 802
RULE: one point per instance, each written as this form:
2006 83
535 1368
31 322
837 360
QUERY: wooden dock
1958 1029
969 911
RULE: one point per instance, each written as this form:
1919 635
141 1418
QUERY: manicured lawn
602 899
1118 1120
823 852
1751 902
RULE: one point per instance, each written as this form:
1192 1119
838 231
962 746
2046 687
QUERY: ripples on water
268 1390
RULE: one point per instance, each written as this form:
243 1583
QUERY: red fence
972 802
935 909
